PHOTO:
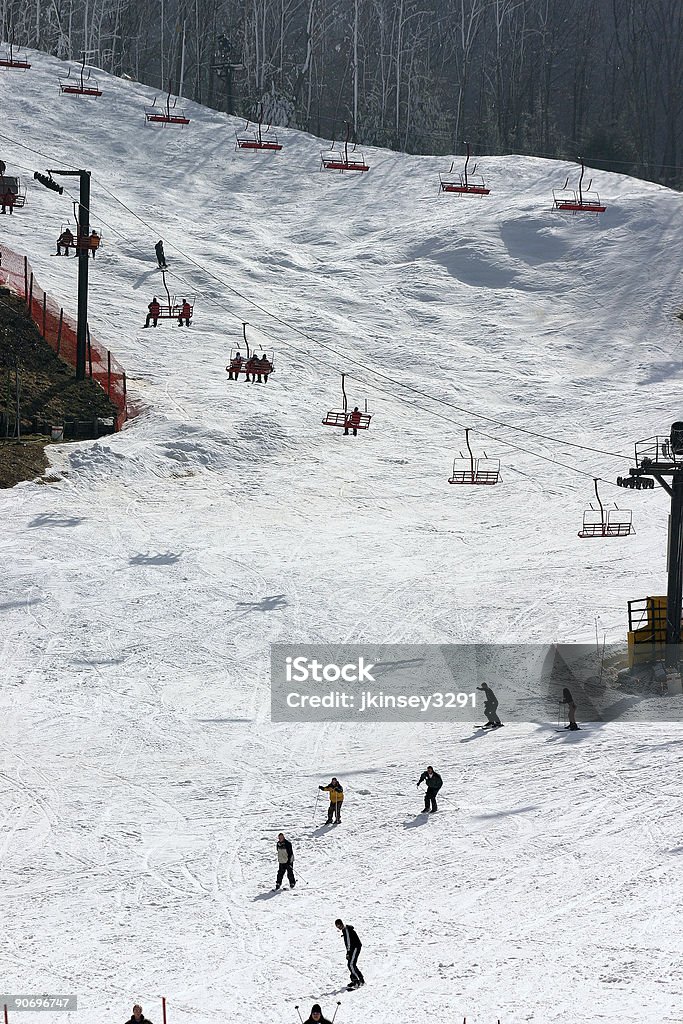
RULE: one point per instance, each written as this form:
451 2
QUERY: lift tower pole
83 253
660 458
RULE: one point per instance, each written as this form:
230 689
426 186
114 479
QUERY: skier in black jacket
285 857
138 1016
434 784
353 948
316 1016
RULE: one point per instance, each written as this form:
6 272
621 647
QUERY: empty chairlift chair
10 57
464 184
81 83
606 521
344 158
257 138
583 200
471 470
166 112
354 420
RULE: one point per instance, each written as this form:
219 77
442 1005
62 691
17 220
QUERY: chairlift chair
257 138
252 365
605 521
10 59
171 309
471 470
584 200
343 159
464 184
83 85
165 113
8 183
355 420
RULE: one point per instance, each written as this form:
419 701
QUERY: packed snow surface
143 784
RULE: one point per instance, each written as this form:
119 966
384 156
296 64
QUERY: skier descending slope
316 1016
490 707
336 791
353 948
285 858
571 707
434 784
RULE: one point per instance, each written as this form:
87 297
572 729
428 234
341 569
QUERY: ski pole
335 1012
300 1017
316 806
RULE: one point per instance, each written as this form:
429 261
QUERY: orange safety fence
59 331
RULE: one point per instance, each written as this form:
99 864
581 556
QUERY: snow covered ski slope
142 783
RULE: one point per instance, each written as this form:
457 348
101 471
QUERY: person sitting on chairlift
154 311
185 314
94 243
235 367
352 421
250 369
266 367
8 200
65 241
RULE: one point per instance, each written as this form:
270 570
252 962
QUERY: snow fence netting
59 331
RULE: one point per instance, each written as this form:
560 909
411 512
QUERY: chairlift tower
661 459
83 253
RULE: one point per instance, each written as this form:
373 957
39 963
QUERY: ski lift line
367 369
377 387
313 341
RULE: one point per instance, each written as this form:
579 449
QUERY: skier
266 367
336 791
490 706
65 241
138 1016
353 948
154 311
161 259
316 1016
434 784
185 314
92 243
235 367
285 857
352 421
8 200
571 708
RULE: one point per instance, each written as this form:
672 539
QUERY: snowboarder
353 948
154 311
352 421
434 784
161 259
185 314
316 1016
336 791
285 858
138 1016
571 708
490 706
65 241
8 200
